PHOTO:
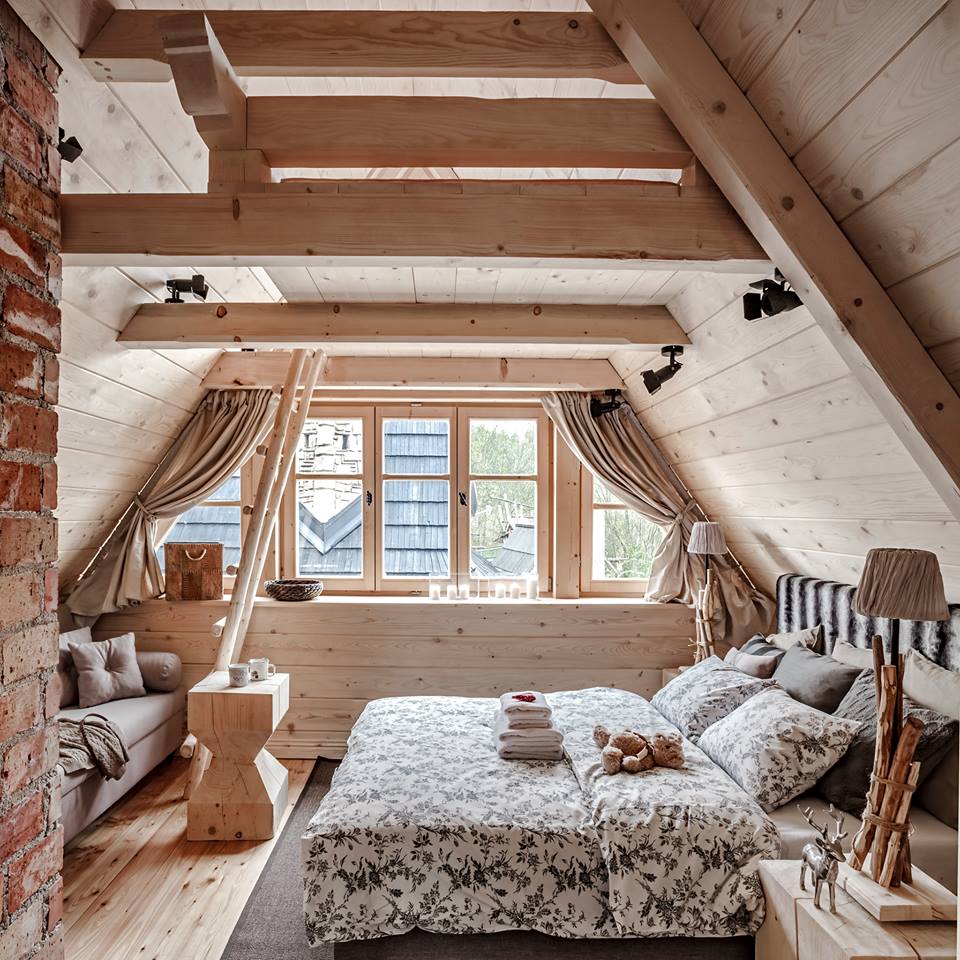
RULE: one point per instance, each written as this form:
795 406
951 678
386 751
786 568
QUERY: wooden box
194 571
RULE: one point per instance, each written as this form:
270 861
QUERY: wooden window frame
598 587
543 477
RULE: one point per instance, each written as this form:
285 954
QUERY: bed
426 827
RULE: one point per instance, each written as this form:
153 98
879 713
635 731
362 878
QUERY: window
216 520
388 498
617 545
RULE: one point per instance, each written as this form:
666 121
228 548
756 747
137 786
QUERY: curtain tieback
687 508
150 517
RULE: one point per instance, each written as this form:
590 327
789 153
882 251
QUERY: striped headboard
803 602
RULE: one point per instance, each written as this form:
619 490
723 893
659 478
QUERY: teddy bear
633 752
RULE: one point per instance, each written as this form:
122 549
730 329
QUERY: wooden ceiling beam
463 132
402 221
801 237
206 84
249 370
372 43
278 325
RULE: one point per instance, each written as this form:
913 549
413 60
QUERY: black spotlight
776 296
68 149
654 379
195 285
613 402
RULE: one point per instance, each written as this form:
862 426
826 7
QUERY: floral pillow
704 694
776 747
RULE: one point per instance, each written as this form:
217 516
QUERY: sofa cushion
938 794
812 678
66 671
137 716
933 845
160 671
107 670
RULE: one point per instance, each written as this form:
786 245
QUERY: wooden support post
242 585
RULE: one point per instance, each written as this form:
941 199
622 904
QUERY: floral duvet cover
425 826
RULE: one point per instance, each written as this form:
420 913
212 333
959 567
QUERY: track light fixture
613 402
69 149
654 379
195 285
776 296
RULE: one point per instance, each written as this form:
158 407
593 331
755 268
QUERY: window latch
369 498
463 498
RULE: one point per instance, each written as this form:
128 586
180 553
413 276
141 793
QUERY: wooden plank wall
768 428
342 652
119 410
863 96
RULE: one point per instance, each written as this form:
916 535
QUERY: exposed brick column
31 836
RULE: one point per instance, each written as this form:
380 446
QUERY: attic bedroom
479 480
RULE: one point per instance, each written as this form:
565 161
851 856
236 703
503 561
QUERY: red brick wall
31 838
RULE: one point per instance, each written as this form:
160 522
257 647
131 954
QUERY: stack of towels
523 728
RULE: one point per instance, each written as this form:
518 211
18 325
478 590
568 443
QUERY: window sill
358 600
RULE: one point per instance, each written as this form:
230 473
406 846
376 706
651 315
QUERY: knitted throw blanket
93 741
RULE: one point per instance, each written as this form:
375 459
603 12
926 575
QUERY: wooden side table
244 791
796 930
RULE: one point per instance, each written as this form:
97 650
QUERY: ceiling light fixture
195 285
653 380
776 296
68 149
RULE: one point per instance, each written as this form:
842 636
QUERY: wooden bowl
301 588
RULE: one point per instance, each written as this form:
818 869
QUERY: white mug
239 674
261 668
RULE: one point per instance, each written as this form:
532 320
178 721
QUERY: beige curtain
221 437
617 449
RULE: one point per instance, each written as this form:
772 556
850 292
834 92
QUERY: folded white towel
538 707
521 721
533 737
509 752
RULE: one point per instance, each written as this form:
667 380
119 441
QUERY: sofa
152 727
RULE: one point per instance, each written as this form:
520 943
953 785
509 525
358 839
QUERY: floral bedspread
425 826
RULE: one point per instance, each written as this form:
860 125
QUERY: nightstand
244 791
794 929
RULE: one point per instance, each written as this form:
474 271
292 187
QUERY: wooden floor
135 887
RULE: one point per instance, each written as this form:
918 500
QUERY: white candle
451 591
500 590
464 591
434 591
533 588
514 591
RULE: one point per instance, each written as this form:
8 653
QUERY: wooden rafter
206 84
381 43
404 221
796 230
236 369
274 325
463 132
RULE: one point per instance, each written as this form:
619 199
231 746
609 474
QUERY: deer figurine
823 857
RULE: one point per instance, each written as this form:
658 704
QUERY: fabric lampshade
901 585
707 537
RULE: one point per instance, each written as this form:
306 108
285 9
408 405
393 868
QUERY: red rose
525 697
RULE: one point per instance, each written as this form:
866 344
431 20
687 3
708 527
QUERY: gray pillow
107 670
160 671
752 664
846 783
66 671
757 646
938 795
815 679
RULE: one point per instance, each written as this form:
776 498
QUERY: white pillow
703 694
776 747
852 656
931 685
807 638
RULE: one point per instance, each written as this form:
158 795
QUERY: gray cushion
137 716
812 678
66 671
752 664
846 783
160 671
938 795
107 670
757 646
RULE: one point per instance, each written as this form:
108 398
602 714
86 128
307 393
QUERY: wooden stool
244 791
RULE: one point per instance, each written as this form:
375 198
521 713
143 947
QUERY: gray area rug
271 925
